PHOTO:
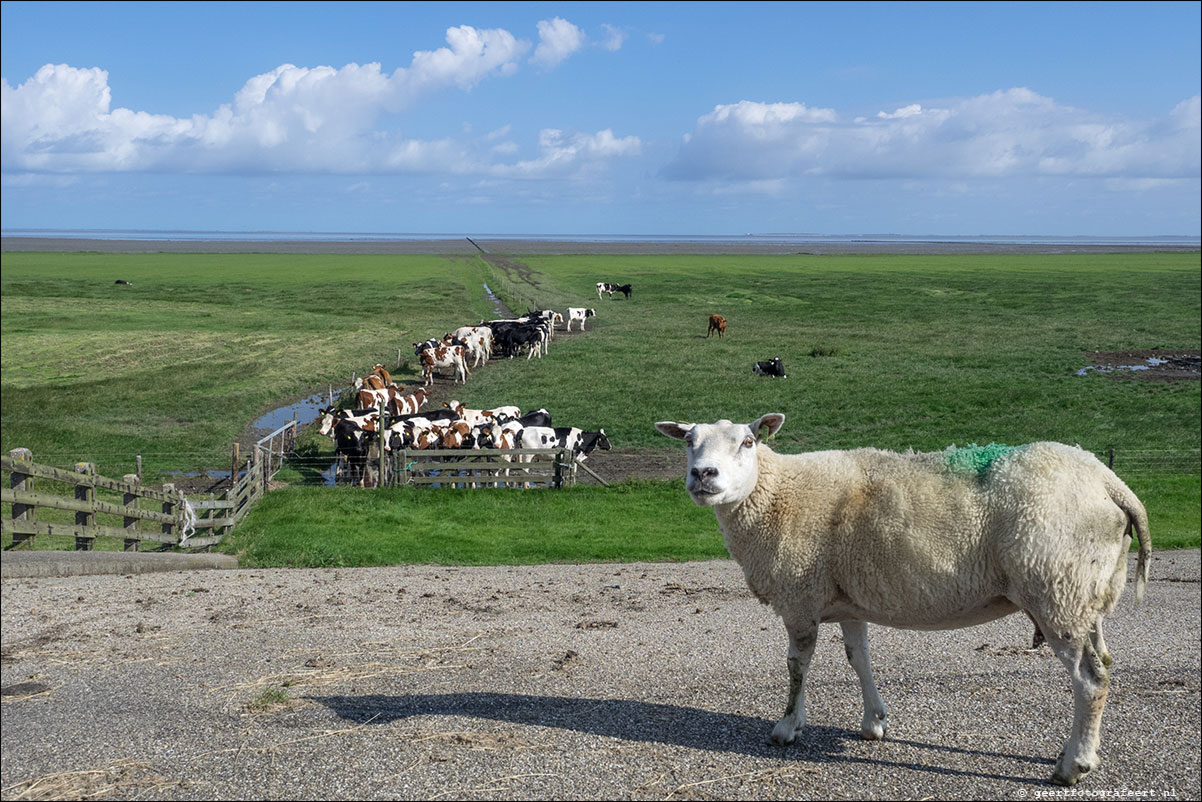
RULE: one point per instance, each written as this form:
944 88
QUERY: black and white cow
772 367
581 314
578 441
607 287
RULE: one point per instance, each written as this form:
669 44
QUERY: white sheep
924 541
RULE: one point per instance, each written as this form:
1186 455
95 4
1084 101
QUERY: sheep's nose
704 473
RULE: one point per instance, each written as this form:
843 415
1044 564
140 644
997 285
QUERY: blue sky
1077 119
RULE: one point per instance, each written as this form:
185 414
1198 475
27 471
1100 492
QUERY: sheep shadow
649 722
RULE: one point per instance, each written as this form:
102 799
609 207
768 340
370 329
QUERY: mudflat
533 247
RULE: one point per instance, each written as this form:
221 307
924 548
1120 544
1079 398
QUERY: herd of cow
390 418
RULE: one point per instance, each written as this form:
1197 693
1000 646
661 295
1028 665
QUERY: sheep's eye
748 441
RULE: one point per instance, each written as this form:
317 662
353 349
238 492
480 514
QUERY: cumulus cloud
571 154
292 118
558 39
1011 132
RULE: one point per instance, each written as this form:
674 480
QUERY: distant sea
766 238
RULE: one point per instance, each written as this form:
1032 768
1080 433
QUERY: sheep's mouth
702 493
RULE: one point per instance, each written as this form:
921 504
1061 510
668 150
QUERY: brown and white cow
478 417
378 398
441 357
409 404
478 340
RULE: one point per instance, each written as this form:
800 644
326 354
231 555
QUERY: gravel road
634 681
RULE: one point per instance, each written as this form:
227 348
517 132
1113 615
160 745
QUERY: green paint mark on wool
976 459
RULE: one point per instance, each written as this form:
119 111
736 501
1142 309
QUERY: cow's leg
802 637
855 644
1091 684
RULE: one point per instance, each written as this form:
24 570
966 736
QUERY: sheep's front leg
855 644
802 638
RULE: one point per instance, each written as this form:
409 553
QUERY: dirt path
640 681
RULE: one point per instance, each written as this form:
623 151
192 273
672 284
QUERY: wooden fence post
381 428
138 462
130 500
234 466
169 509
21 482
86 492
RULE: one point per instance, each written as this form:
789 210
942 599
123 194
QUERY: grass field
891 351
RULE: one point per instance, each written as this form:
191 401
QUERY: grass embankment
890 351
175 366
632 521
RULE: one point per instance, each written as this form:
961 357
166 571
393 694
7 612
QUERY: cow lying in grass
771 367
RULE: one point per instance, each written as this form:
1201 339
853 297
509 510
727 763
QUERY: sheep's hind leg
855 644
801 651
1091 684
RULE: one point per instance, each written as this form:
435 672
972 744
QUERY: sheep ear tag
767 425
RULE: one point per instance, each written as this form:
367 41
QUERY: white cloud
614 37
558 39
296 119
908 111
1006 133
292 118
571 155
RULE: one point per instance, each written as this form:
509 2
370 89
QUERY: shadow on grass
653 723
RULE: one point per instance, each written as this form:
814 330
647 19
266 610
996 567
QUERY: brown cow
718 324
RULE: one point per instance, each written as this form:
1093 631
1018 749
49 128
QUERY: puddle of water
304 411
497 306
1186 365
204 474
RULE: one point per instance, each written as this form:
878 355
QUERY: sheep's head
722 456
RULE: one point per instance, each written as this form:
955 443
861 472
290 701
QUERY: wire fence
1136 461
308 466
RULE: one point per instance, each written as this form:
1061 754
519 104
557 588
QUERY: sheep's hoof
1069 773
785 732
873 729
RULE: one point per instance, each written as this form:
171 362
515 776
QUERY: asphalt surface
641 681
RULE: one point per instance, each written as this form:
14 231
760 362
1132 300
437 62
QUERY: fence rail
528 467
171 518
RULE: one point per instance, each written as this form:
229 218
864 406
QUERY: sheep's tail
1137 519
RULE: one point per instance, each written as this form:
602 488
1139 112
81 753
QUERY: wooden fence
479 468
161 516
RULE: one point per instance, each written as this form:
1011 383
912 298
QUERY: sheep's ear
767 425
674 430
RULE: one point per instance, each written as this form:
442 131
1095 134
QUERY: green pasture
175 366
632 521
891 351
